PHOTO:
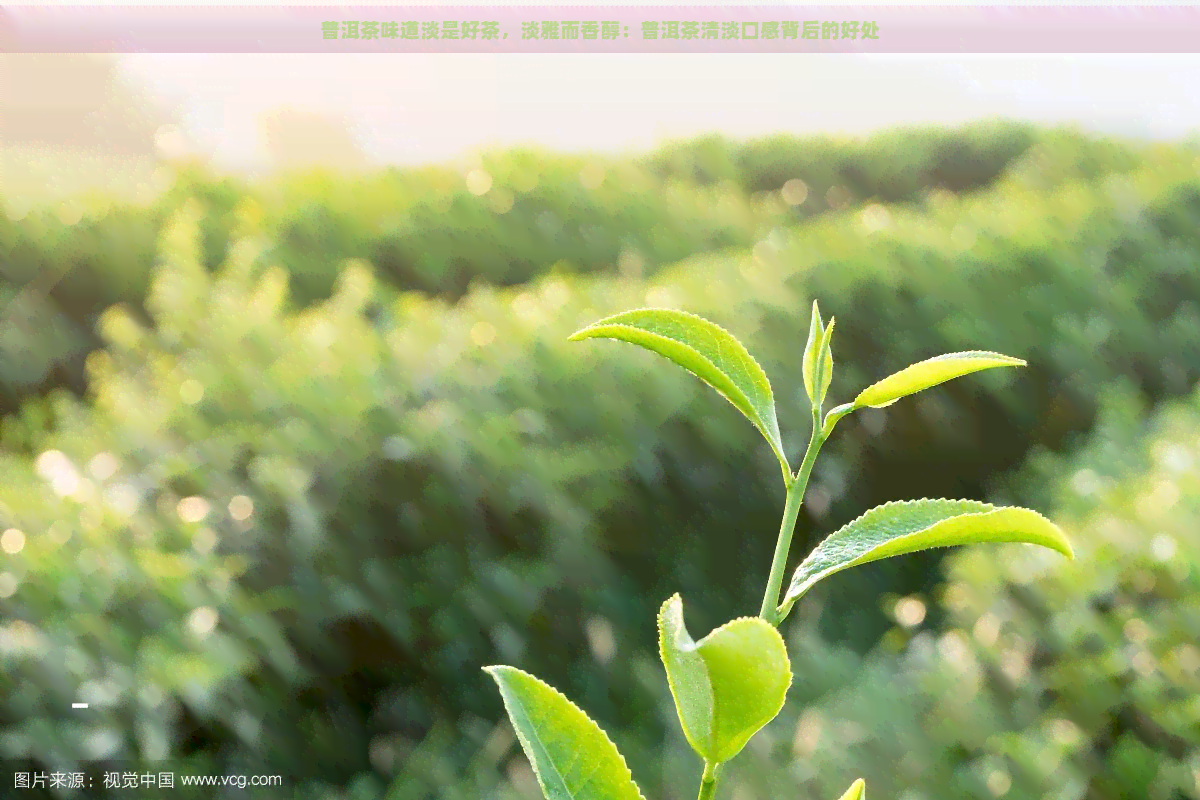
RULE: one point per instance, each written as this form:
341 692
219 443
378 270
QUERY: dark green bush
893 166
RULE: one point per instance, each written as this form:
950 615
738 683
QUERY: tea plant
731 683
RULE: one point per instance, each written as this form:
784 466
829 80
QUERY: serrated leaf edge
787 604
786 660
773 436
662 654
490 670
696 646
1013 362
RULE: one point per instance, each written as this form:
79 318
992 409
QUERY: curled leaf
707 351
931 372
909 526
728 685
571 756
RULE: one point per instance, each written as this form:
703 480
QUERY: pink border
297 29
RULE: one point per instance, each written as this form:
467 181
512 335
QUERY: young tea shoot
728 685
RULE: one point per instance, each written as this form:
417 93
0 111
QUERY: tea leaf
930 372
726 686
812 351
905 527
857 791
825 367
572 757
707 351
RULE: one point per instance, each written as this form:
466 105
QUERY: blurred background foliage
286 463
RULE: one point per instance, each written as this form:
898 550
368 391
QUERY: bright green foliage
909 526
728 685
857 791
812 353
818 358
928 373
707 351
439 486
825 363
572 757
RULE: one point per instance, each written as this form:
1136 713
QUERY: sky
419 108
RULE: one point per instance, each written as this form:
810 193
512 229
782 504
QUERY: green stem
791 509
708 781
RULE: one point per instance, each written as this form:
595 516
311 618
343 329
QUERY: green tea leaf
825 368
572 757
707 351
857 791
812 350
930 372
726 686
905 527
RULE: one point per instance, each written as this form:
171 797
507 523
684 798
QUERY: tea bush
423 228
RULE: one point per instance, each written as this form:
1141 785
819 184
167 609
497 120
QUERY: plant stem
791 509
708 781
